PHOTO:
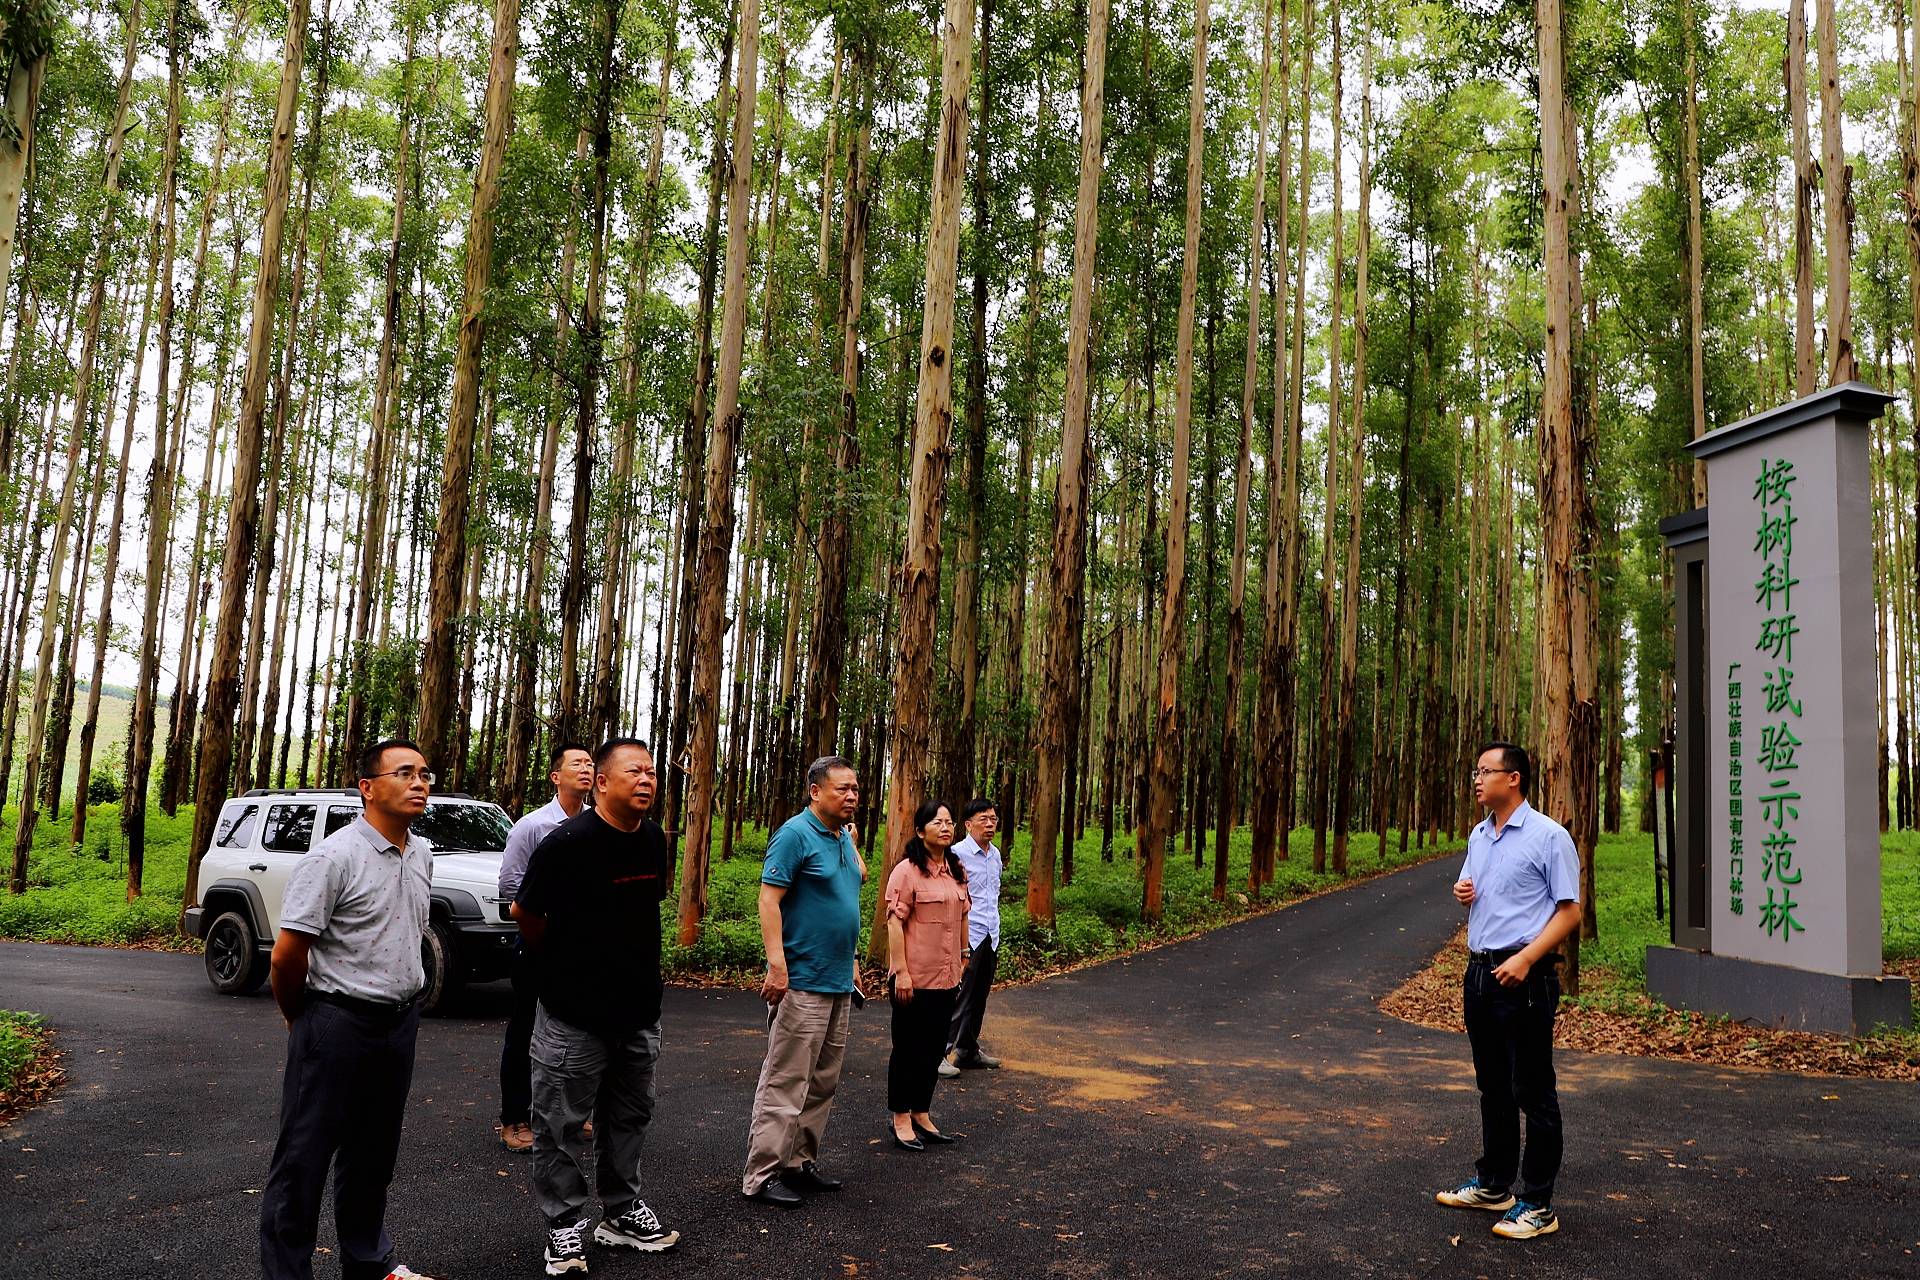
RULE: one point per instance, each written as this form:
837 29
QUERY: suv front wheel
234 963
439 960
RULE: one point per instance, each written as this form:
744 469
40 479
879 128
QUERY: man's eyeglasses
406 773
1478 774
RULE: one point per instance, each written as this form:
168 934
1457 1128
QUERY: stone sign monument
1779 706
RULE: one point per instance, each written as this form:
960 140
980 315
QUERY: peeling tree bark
919 585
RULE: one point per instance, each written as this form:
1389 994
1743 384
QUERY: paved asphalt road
1230 1106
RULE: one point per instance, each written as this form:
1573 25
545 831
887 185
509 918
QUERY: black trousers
1511 1031
516 1067
341 1104
919 1042
970 1009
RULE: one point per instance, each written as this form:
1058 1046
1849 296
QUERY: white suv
264 833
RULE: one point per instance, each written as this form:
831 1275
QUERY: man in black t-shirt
590 910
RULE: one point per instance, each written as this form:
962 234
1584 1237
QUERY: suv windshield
464 828
449 827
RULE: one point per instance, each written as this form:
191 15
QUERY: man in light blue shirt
983 864
570 769
1521 889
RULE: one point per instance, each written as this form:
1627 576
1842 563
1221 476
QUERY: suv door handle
256 866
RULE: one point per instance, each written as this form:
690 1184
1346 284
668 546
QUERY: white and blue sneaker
1525 1221
1471 1195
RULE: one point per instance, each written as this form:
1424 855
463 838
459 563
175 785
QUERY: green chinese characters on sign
1779 739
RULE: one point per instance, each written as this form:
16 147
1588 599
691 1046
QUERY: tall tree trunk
716 535
223 686
1347 783
1805 358
373 526
28 73
1242 478
1069 522
1569 711
919 586
1836 180
693 450
1160 814
826 641
573 583
1012 770
1695 247
177 768
103 622
954 776
1275 692
1910 194
1321 765
246 772
38 518
1281 661
160 474
437 673
604 715
82 404
529 640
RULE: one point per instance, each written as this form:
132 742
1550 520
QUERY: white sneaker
947 1070
1525 1221
1471 1195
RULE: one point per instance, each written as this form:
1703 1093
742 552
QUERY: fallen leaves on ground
36 1080
1642 1028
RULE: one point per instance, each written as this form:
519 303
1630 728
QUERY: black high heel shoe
904 1145
934 1136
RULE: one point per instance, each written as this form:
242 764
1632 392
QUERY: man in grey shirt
346 975
570 769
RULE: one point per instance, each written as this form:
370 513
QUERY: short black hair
368 765
817 771
611 745
559 752
977 806
1514 758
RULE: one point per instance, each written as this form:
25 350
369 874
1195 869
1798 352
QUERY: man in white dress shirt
983 863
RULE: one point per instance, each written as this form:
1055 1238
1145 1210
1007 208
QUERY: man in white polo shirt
347 975
1521 889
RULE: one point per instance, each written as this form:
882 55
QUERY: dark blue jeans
341 1104
1511 1031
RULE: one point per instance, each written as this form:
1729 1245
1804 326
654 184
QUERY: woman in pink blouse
926 952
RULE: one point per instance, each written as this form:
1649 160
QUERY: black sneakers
567 1249
637 1228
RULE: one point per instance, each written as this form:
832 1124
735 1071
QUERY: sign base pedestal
1775 995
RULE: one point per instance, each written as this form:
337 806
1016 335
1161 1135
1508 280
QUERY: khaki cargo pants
806 1048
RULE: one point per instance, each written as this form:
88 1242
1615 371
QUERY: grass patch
1613 966
80 895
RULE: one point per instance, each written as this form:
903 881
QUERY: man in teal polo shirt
810 927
